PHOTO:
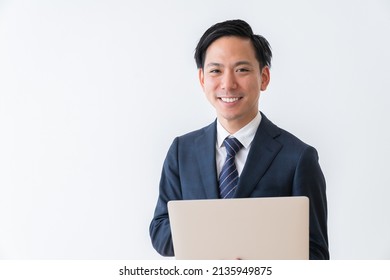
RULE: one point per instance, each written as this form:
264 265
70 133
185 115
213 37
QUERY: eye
242 70
215 71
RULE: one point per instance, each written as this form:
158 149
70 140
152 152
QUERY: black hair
237 28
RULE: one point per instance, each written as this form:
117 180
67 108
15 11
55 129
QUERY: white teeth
229 100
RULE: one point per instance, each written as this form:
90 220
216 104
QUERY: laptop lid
274 228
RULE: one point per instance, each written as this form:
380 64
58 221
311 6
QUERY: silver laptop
273 228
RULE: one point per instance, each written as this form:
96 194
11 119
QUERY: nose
228 81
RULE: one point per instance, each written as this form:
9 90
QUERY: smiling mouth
230 99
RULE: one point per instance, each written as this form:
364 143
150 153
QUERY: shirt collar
245 135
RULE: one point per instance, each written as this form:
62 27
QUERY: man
261 159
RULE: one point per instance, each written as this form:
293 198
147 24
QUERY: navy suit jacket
278 164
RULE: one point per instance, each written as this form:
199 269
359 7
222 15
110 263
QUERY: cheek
210 85
251 86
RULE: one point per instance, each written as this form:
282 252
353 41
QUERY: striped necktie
228 178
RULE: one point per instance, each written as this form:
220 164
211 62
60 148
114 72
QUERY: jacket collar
205 154
264 149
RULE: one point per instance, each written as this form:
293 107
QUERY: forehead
230 48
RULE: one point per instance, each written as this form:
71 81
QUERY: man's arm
170 189
309 181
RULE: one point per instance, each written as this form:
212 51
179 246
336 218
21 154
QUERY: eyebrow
238 63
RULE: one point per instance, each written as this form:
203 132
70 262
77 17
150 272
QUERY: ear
201 77
265 78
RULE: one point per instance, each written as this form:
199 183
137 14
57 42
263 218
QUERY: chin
230 117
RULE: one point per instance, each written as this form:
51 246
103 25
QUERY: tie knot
232 146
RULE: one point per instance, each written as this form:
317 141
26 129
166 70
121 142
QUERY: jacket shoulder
191 136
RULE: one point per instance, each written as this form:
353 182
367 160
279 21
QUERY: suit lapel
205 154
263 151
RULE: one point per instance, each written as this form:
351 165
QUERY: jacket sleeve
309 181
170 189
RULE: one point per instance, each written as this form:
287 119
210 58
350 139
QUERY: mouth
230 99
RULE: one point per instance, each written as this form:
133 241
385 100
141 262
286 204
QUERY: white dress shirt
245 135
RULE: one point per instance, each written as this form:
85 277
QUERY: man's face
232 80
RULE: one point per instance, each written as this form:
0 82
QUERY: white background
92 94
